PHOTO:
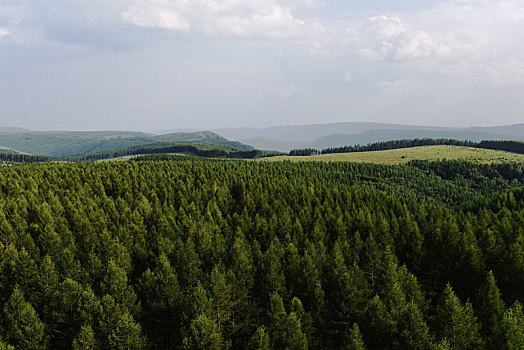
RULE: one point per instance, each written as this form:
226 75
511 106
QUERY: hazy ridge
285 138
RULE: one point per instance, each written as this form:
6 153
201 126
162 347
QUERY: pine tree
221 297
379 321
457 323
294 338
204 335
277 317
354 339
413 329
85 339
260 340
116 285
127 334
162 302
491 311
23 327
513 328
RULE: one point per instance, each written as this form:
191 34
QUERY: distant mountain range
65 143
278 138
320 136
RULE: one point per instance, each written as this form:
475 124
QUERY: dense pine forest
166 252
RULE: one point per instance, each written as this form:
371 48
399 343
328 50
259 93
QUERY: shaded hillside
61 143
66 143
193 149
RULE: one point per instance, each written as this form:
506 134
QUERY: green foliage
85 340
260 340
457 323
204 335
22 325
513 328
354 339
213 254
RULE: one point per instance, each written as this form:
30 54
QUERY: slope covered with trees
208 254
68 143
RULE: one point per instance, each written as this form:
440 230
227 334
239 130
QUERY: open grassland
404 155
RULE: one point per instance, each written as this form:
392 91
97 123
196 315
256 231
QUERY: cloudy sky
203 64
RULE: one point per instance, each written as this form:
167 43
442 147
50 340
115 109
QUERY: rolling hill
66 143
285 138
404 155
379 135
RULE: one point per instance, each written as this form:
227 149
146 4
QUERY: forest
172 252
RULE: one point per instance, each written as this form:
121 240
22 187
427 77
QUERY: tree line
217 254
509 146
23 158
200 150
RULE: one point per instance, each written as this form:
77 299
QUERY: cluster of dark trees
23 158
304 152
510 146
216 254
200 150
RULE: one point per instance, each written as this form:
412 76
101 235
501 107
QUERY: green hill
9 150
187 148
66 143
203 137
404 155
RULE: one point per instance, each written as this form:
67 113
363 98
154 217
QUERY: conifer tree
260 340
378 320
294 337
354 339
85 339
491 311
204 335
457 323
513 327
22 325
277 317
414 330
127 334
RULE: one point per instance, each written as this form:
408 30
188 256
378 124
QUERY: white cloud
390 39
270 19
4 32
156 17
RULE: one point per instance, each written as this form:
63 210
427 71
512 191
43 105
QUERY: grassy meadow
404 155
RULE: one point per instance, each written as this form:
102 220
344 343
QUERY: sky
204 64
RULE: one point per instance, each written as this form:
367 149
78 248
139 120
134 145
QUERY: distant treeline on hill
200 150
167 147
23 158
219 151
510 146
